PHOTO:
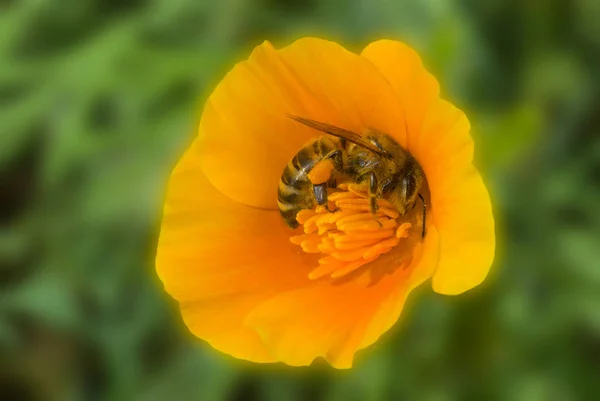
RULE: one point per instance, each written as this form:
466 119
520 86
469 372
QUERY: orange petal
333 321
220 260
404 70
246 137
461 204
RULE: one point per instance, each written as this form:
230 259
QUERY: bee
375 160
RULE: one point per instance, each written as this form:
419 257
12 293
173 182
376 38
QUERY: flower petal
247 139
220 260
403 68
461 205
334 320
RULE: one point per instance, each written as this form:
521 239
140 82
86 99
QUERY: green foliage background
98 98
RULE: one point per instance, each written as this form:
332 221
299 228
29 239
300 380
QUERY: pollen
348 235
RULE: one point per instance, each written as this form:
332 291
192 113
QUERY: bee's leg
320 191
321 176
424 214
372 190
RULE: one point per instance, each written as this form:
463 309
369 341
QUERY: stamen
355 217
350 267
369 225
366 235
342 246
351 236
324 270
304 215
352 201
392 214
361 208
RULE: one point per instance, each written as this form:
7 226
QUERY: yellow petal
415 87
221 259
461 204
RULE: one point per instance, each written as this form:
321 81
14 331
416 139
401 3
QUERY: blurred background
98 98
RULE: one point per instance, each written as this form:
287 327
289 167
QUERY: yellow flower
256 289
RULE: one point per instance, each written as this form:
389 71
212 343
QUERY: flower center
351 236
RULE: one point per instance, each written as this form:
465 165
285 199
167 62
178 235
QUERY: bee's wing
350 136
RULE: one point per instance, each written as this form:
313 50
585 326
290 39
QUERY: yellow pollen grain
321 172
350 236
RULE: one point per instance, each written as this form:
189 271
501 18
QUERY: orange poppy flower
258 290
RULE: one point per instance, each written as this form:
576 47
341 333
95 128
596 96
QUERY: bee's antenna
424 215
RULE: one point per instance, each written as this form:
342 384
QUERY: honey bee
374 160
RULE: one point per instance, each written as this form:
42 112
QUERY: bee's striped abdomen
295 191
